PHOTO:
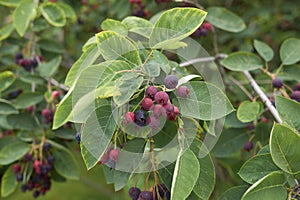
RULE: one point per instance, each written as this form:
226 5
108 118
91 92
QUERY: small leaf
114 25
225 19
6 79
10 3
27 99
269 187
185 175
22 121
264 50
54 14
234 193
6 30
248 111
257 167
13 152
68 10
50 68
138 25
6 108
8 182
285 146
22 16
51 46
289 51
240 61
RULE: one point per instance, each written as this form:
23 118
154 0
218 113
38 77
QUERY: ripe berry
140 118
113 154
8 132
129 117
296 95
151 91
171 81
207 26
161 98
161 189
104 159
55 94
14 94
183 91
19 176
277 83
51 159
36 165
297 87
46 146
36 193
134 193
145 195
18 57
78 137
30 109
248 146
158 111
147 103
24 188
46 112
27 157
169 107
16 168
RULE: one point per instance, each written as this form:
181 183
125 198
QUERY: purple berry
129 117
297 87
183 91
147 103
27 157
46 146
168 195
296 95
134 193
277 83
161 98
24 188
51 159
158 111
17 168
140 118
36 193
150 92
19 176
78 137
171 81
146 195
169 107
248 146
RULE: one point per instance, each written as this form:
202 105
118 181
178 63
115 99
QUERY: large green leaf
50 68
8 182
289 51
23 14
285 146
6 79
114 25
114 46
248 111
63 110
175 25
13 152
6 108
257 167
234 193
27 99
240 61
205 101
6 30
54 14
185 175
225 19
22 121
10 3
264 50
289 111
51 45
138 25
97 133
269 187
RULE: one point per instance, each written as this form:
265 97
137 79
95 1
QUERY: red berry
36 165
183 91
113 154
8 132
151 91
16 168
161 97
176 110
264 119
207 26
147 103
30 109
277 83
297 87
169 107
84 2
46 112
248 146
296 95
129 117
55 94
171 81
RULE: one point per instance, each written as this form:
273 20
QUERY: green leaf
68 10
87 58
206 102
6 79
10 3
6 30
185 175
32 78
285 146
230 142
27 99
289 111
289 51
174 25
234 193
8 182
51 46
6 108
50 68
63 110
12 152
114 46
97 133
54 14
264 50
233 122
126 86
114 25
23 14
240 61
65 163
186 79
22 121
138 25
225 19
269 187
257 167
248 111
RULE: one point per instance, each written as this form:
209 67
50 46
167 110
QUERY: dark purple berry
17 168
34 63
14 94
147 103
171 81
24 188
160 189
36 193
140 118
168 195
150 92
46 146
19 176
161 98
134 193
183 91
51 159
248 146
27 157
78 137
277 83
146 195
296 95
18 57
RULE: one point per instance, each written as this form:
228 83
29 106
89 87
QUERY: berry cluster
278 83
39 181
110 157
27 63
157 192
47 115
139 9
203 30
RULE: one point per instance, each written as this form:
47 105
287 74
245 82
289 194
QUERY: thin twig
57 84
241 87
201 60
